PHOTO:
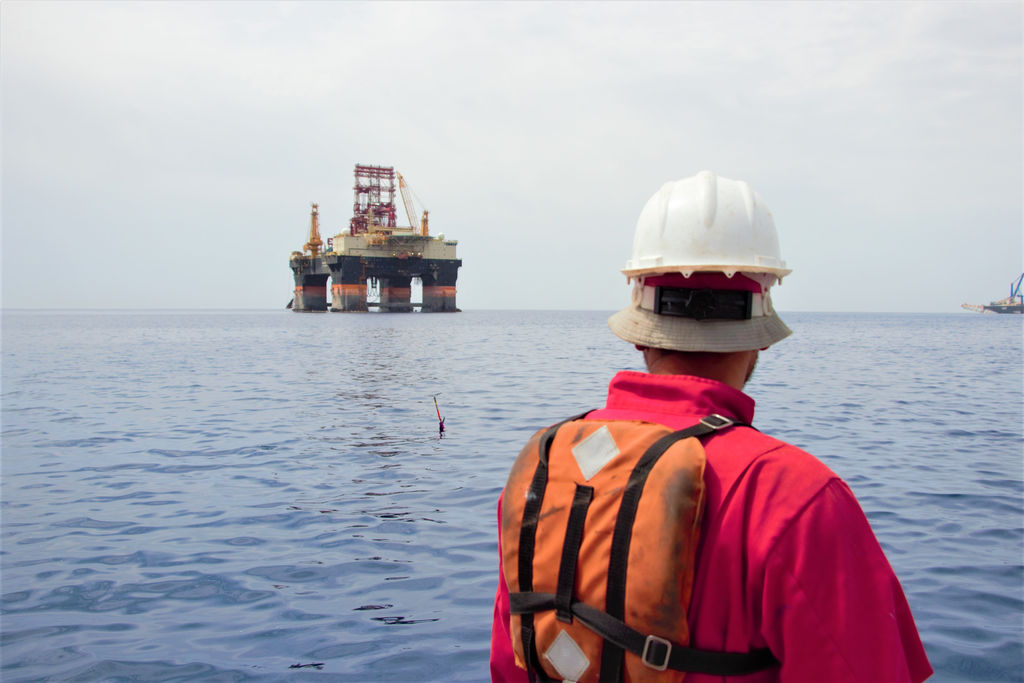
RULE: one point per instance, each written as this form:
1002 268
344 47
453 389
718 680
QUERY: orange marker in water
440 420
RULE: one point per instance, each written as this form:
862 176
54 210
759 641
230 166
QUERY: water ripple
181 505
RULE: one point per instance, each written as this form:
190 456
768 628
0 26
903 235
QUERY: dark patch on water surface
400 620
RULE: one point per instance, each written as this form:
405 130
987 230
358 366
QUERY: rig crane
403 187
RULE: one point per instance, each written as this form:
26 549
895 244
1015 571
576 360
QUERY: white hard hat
705 223
705 254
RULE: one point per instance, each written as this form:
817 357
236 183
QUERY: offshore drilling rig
376 251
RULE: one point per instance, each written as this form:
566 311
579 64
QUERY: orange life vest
585 501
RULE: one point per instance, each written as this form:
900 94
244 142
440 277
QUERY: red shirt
786 559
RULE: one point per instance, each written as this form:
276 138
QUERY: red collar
676 401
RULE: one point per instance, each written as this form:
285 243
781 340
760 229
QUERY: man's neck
733 369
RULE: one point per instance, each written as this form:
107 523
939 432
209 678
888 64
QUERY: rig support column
439 287
348 283
310 284
437 298
396 294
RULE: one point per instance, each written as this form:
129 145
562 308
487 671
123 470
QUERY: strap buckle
658 643
716 421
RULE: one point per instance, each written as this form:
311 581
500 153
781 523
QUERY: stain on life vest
661 542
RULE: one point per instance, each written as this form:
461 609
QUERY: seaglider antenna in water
440 420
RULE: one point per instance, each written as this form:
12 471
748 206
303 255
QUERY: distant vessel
1011 304
376 250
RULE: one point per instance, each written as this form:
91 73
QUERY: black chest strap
657 653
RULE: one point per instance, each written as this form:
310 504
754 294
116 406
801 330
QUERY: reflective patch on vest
595 451
567 657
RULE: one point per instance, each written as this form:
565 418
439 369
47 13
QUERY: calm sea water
223 496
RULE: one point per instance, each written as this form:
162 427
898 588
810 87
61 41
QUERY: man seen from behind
662 535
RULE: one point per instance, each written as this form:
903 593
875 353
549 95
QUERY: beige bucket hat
638 325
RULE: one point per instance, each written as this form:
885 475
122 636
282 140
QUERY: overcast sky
165 154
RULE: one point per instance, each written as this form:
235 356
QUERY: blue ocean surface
226 496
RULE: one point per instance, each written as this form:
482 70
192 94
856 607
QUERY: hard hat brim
730 270
646 328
